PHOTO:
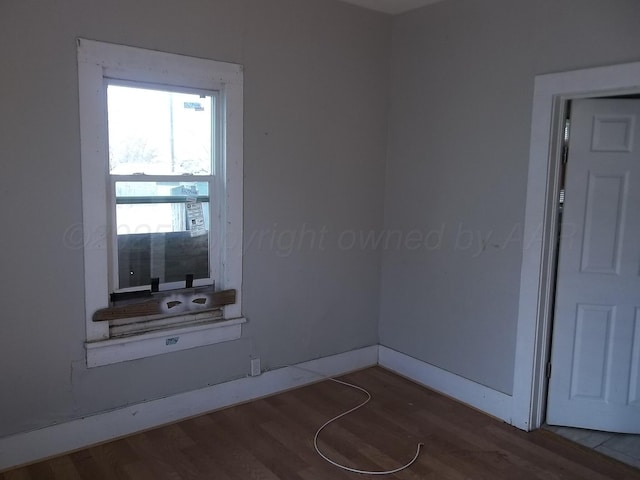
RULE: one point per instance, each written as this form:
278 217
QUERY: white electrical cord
344 467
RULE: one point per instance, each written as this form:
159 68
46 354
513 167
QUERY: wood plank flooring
272 439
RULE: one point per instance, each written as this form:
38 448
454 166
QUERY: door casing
552 92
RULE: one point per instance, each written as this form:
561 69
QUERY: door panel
591 352
603 223
595 354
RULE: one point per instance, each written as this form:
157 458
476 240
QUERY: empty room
213 208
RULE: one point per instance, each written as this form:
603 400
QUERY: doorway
552 94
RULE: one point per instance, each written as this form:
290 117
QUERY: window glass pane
159 132
168 256
163 231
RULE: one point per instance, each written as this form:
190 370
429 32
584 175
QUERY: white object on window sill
115 350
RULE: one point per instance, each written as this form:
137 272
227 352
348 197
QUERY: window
163 166
161 147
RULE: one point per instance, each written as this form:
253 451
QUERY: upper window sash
178 124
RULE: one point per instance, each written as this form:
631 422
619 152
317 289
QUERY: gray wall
463 73
316 83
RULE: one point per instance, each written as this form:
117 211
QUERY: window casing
180 206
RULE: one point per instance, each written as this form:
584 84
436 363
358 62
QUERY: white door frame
551 94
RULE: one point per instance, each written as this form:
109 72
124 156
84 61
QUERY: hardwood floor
272 439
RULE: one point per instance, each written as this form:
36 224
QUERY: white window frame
98 61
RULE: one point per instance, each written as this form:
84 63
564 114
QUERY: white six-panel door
595 352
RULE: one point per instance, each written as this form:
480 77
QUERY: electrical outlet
255 367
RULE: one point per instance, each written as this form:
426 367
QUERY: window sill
115 350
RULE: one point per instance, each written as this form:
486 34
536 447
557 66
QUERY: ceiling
392 6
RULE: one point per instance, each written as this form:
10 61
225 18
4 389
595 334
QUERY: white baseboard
57 439
28 447
478 396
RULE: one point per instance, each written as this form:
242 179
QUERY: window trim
98 61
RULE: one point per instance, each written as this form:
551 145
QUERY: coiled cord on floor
351 410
